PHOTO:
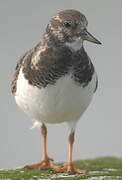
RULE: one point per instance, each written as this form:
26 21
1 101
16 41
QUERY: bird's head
70 26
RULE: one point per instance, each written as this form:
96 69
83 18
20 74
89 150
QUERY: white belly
63 101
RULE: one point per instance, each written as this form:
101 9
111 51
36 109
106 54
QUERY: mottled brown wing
17 69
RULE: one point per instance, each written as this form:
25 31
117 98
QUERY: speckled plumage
52 64
57 77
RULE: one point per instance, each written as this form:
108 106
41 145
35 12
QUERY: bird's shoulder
43 65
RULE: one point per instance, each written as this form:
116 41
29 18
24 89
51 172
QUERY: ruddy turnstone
55 81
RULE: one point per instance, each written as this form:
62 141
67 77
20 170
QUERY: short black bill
89 37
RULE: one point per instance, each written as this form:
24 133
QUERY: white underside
63 101
76 45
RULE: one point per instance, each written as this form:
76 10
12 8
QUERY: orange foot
70 169
42 165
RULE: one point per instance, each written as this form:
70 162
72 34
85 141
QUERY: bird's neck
76 45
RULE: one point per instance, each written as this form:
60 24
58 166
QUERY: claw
42 165
70 169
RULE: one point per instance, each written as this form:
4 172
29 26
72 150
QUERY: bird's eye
67 24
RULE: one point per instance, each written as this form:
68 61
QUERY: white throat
76 45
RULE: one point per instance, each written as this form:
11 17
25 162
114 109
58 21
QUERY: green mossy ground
99 169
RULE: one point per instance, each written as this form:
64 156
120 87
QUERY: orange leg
69 167
45 163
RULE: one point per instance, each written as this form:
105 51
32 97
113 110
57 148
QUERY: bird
55 81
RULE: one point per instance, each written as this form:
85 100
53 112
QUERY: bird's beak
87 36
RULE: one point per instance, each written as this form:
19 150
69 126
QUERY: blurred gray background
99 132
